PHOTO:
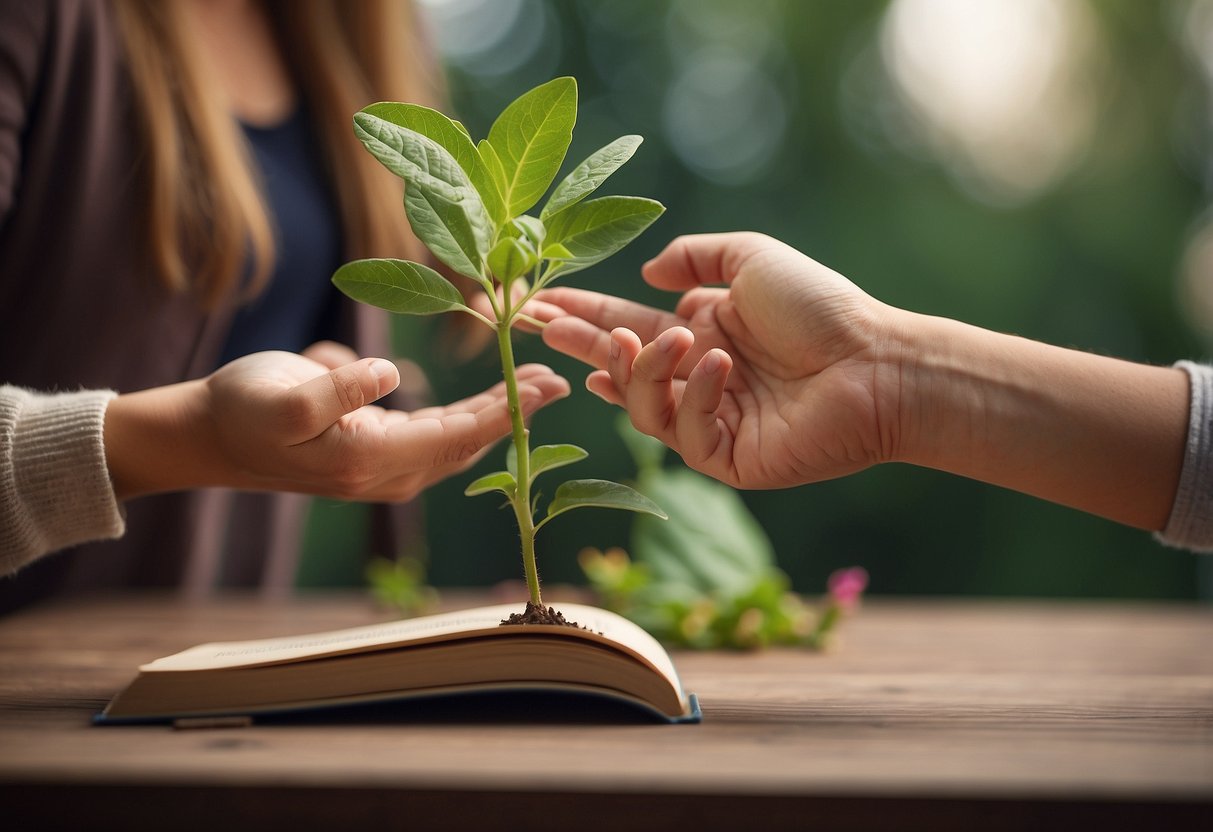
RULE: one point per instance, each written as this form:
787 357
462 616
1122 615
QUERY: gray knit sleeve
55 489
1191 523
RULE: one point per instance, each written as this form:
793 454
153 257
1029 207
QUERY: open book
454 652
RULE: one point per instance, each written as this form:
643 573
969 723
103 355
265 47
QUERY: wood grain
926 714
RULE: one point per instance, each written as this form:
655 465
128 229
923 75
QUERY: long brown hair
206 217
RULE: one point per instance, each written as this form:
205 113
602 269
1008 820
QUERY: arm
276 421
1095 433
268 421
793 375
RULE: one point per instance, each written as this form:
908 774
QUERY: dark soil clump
540 615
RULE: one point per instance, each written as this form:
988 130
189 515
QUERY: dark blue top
299 304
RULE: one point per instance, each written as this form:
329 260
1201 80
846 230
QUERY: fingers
539 310
457 437
702 439
607 312
644 376
308 409
684 415
703 259
540 377
600 384
580 339
331 354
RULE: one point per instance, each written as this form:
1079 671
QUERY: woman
178 180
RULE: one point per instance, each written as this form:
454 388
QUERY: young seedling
467 201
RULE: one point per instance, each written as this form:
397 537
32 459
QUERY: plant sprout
467 202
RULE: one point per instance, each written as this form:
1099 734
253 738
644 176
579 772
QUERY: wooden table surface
927 714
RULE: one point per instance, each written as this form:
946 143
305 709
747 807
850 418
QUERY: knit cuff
1190 525
55 489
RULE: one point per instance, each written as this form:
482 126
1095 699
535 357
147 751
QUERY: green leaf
510 258
711 541
442 224
602 494
488 157
502 481
398 286
532 228
531 137
547 457
591 173
592 231
443 206
454 138
557 252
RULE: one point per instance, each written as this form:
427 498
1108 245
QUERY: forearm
1095 433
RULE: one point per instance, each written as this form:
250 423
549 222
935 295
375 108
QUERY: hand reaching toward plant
792 374
287 422
772 382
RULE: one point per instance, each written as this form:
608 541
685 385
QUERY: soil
540 615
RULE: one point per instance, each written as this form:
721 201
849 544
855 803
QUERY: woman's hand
792 374
779 379
286 422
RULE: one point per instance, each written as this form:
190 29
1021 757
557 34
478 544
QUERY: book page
603 627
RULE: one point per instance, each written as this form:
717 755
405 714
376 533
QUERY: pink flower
846 586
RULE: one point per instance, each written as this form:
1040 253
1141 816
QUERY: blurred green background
1031 166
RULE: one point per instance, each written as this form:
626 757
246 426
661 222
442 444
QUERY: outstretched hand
776 380
306 423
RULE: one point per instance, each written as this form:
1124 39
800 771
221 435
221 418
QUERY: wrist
161 440
943 390
1092 432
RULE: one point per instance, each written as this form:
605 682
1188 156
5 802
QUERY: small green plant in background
707 578
399 585
467 201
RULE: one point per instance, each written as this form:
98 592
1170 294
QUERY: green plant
400 585
467 202
707 577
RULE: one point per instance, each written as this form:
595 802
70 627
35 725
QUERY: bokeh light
1001 89
491 37
723 113
1194 25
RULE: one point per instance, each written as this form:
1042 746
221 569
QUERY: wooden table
928 714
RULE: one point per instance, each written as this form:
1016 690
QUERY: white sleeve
1190 525
55 489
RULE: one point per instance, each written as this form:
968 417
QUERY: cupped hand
786 376
306 423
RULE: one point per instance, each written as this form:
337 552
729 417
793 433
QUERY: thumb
703 259
316 404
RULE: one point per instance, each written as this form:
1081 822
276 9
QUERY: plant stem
522 493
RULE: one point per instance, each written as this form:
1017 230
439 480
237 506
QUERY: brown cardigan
79 307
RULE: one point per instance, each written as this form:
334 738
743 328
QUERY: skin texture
791 374
306 423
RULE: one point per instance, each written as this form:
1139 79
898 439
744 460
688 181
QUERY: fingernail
615 348
711 363
666 340
382 368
